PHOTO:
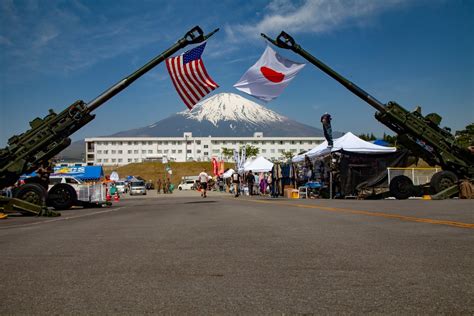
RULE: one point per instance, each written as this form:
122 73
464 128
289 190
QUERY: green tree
465 137
227 152
250 151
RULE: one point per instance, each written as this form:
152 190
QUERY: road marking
61 218
376 214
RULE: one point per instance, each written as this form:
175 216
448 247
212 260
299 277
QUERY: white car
75 183
187 185
121 187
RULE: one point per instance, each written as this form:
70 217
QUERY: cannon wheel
31 192
401 187
442 180
62 196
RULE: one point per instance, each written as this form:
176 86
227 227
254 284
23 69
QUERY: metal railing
417 175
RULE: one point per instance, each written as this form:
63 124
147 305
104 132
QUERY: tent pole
330 185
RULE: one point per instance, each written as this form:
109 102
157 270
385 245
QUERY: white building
124 150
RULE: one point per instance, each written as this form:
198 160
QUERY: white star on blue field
414 52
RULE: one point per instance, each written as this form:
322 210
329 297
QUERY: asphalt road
182 254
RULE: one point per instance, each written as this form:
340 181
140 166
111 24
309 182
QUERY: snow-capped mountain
225 115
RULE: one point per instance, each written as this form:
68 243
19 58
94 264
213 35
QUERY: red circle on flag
272 75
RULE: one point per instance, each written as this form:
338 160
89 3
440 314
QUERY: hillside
154 170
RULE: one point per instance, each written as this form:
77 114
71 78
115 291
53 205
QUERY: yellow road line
377 214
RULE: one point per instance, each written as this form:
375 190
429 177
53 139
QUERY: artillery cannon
50 135
422 135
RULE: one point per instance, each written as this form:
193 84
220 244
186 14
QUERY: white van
187 185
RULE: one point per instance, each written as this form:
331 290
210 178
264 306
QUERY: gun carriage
48 136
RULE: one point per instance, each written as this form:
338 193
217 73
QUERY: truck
48 136
422 135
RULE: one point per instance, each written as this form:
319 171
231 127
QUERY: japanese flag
269 76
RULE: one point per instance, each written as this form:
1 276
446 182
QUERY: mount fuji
224 115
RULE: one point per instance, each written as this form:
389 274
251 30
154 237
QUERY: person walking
203 179
236 182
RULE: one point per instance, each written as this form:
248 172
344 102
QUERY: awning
348 142
260 164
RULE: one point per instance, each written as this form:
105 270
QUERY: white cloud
312 16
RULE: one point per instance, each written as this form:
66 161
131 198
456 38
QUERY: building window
99 152
189 151
150 143
272 150
113 159
135 143
159 151
113 143
106 160
173 143
165 143
143 151
264 151
189 142
206 146
135 160
173 151
129 151
129 143
129 160
99 160
106 152
198 142
215 151
150 151
206 153
180 151
135 151
113 151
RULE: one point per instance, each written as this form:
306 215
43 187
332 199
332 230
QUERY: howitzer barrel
285 41
195 35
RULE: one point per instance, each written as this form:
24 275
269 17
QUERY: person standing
236 182
203 178
250 182
158 185
327 129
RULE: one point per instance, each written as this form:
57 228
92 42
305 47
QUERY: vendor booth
348 164
260 164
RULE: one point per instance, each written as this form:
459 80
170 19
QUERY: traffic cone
116 197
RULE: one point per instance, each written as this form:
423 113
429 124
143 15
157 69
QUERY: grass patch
154 170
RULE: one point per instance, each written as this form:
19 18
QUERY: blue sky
415 52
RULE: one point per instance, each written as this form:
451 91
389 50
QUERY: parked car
64 179
121 187
187 185
137 187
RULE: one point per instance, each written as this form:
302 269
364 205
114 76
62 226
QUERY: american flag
189 76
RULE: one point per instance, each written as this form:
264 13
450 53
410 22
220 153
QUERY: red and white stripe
191 80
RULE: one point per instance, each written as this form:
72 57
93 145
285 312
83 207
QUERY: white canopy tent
260 164
228 173
347 142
